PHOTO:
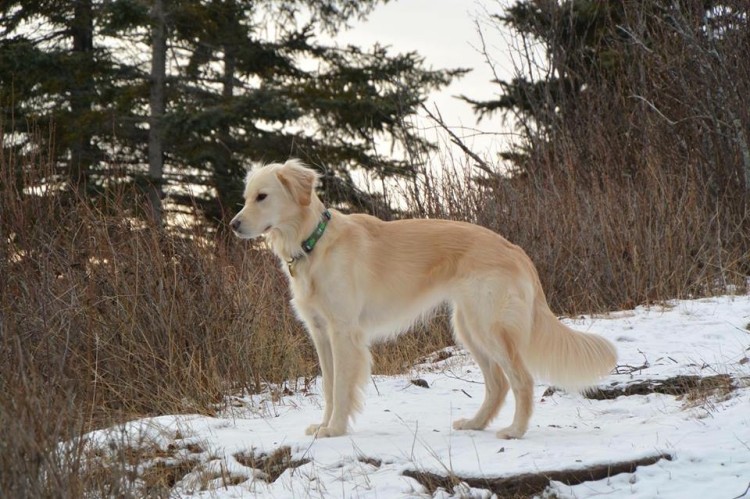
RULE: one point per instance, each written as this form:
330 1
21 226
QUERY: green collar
309 243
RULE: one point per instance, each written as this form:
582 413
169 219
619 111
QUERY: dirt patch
159 479
273 464
371 461
530 484
694 387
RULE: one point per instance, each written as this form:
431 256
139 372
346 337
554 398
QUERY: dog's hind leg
521 382
495 333
351 370
495 384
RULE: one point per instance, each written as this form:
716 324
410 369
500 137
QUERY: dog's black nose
235 224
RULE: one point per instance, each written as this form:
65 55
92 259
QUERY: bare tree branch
480 163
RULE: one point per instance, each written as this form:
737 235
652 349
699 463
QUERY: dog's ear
298 180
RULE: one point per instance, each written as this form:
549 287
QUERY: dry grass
620 242
272 464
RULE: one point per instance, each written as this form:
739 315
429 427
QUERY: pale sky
445 33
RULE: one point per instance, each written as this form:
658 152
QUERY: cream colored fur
368 280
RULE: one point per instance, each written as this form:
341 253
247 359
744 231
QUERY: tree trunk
81 94
224 180
157 104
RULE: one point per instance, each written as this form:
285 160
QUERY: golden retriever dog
356 279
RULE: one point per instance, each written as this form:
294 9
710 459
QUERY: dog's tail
567 358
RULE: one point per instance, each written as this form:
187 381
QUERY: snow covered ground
408 427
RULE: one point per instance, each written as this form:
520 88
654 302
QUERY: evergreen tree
56 84
632 65
243 81
245 97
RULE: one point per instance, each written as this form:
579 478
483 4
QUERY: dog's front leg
325 358
351 369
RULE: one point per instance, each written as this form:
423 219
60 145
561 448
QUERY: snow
408 427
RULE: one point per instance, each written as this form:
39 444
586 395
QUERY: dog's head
275 195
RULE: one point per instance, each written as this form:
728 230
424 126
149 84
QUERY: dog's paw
313 429
467 424
328 432
510 433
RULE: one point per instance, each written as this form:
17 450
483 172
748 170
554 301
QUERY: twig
481 164
747 489
743 443
628 369
372 378
454 376
653 106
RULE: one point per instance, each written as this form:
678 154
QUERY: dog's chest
304 300
302 286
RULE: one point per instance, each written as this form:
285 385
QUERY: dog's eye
261 196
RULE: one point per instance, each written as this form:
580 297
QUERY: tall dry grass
105 318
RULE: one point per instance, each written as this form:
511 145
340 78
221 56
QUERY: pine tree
52 79
660 82
245 97
615 52
243 82
157 106
582 46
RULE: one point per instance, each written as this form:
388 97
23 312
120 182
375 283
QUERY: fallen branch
530 484
628 369
678 385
